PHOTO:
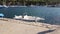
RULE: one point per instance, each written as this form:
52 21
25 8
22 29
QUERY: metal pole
35 19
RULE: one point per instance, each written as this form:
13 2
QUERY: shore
12 26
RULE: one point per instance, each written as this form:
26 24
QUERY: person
24 14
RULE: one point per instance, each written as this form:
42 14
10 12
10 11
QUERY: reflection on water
51 14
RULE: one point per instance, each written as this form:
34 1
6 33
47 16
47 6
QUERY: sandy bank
11 26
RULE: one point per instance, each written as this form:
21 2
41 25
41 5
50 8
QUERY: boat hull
28 18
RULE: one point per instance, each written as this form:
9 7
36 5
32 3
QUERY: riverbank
11 26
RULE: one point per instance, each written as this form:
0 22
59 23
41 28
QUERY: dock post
35 19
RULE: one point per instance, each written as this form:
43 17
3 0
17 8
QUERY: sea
51 14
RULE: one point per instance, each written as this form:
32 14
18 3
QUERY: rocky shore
12 26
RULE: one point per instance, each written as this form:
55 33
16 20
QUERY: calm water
51 14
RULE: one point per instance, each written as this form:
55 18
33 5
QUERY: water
51 14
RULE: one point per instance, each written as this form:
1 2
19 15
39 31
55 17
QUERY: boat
28 18
17 6
1 15
4 6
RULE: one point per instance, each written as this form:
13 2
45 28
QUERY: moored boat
30 18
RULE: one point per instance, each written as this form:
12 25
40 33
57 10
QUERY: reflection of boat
26 17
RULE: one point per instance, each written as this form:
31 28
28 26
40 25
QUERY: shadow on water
44 32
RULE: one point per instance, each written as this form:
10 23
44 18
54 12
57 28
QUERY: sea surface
51 14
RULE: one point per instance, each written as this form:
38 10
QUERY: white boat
1 15
17 6
26 17
4 6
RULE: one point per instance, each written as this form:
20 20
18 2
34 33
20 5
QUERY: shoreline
38 24
12 26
